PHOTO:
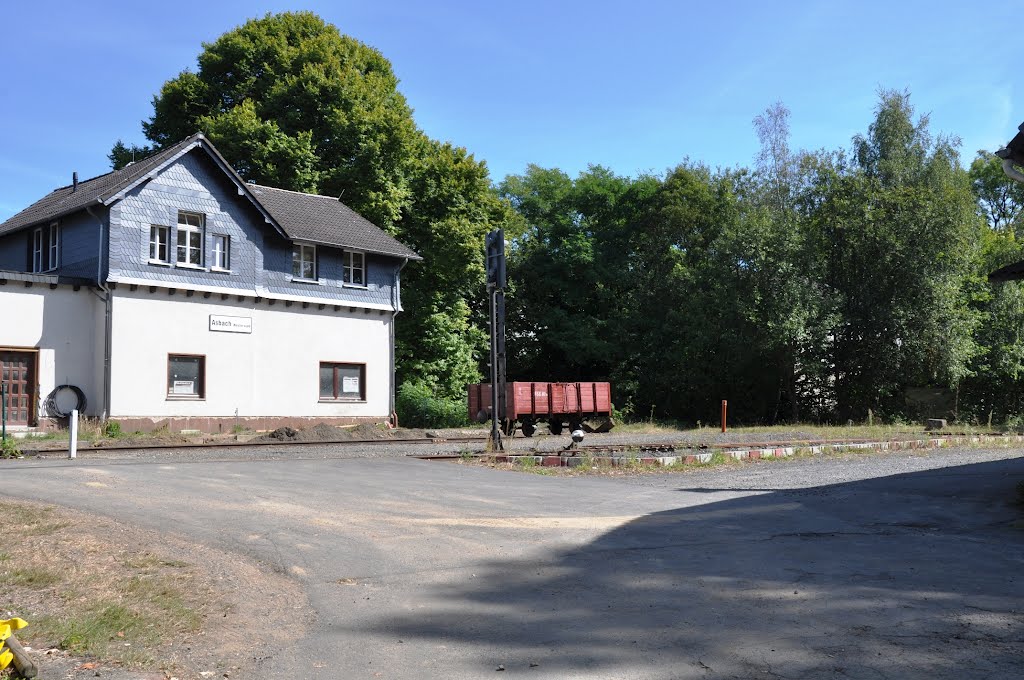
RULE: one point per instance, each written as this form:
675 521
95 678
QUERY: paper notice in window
184 387
350 385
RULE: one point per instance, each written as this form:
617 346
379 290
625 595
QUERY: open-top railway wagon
559 404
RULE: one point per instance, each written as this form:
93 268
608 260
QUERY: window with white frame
45 248
159 243
354 268
304 262
54 245
190 239
221 252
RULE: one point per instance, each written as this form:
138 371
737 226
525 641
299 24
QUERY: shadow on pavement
914 575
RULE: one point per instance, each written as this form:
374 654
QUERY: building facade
171 293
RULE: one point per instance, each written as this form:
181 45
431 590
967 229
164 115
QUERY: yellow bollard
7 627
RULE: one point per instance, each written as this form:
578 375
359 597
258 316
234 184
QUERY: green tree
442 333
901 233
121 154
307 92
1000 199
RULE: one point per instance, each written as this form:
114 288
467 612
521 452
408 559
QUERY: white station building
171 293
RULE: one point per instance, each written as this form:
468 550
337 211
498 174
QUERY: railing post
73 438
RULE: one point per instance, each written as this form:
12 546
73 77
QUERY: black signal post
495 259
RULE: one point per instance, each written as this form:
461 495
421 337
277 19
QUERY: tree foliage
812 286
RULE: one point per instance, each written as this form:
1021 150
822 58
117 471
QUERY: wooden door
17 370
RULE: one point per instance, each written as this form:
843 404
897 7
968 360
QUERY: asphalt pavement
862 566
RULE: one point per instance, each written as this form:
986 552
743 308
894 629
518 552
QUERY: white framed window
354 268
159 243
304 262
45 248
190 239
54 245
37 250
221 252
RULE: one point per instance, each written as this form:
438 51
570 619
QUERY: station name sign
231 324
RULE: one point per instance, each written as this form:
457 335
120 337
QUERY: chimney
74 181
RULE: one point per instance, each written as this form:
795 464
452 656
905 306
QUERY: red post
725 407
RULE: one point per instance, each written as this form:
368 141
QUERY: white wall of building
62 324
272 371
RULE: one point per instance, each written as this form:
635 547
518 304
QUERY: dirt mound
322 432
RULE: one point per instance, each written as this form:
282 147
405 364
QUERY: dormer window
304 262
354 268
45 248
190 239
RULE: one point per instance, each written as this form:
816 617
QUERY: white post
73 439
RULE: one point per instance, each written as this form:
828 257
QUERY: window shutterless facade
186 376
159 244
354 268
221 253
190 239
45 248
342 382
304 262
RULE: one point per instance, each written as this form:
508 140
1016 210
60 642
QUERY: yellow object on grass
6 628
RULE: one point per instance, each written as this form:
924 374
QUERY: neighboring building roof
1011 272
322 219
299 216
1014 150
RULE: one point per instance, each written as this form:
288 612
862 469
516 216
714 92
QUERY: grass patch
62 580
32 577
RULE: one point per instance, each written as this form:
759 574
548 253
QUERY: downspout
1012 172
395 299
108 307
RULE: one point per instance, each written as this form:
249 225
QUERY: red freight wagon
556 403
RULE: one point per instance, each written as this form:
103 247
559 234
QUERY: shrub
8 449
112 429
418 407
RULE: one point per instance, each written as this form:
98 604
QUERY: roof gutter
108 310
1011 171
395 302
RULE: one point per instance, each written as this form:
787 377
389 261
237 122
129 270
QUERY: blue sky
636 86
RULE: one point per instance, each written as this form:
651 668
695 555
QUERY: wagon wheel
528 428
508 427
555 427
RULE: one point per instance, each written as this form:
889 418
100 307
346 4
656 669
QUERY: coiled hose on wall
51 401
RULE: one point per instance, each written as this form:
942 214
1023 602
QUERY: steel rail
271 443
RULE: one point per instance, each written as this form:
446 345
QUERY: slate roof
326 220
1011 272
1015 148
299 216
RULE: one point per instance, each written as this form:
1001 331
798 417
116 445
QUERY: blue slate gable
79 246
261 258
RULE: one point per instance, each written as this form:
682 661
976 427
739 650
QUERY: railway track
267 443
665 448
628 447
